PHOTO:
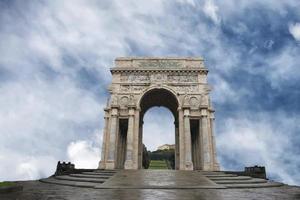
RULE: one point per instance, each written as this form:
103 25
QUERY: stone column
104 142
110 164
216 166
181 140
205 141
136 142
130 132
176 145
187 141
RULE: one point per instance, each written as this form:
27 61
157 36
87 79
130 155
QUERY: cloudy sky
54 70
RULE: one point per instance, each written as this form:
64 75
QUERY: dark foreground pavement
155 184
35 190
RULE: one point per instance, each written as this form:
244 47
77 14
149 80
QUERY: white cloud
20 166
295 30
84 154
211 11
158 128
43 104
263 139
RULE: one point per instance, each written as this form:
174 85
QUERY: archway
159 97
180 85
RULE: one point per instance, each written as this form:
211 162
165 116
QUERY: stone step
221 175
69 183
230 178
99 173
211 173
70 178
257 185
250 181
90 176
106 170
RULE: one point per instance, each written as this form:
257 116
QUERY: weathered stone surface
266 191
180 84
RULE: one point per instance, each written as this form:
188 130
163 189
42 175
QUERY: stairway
235 181
84 179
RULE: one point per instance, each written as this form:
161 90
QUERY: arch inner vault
178 84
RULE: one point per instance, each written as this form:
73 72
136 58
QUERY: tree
146 158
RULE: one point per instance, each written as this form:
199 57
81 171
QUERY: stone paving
154 184
35 190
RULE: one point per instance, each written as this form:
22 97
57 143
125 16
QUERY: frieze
186 89
182 78
160 64
161 77
131 88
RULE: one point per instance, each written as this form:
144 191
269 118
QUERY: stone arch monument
179 84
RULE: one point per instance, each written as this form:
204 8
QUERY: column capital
114 112
131 112
204 113
186 112
212 116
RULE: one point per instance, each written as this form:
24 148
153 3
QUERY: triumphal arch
179 84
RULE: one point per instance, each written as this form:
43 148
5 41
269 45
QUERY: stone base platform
159 179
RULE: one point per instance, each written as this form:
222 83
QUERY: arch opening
166 99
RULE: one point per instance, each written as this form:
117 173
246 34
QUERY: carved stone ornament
159 64
124 101
171 77
114 100
131 88
160 77
194 102
186 100
131 100
186 89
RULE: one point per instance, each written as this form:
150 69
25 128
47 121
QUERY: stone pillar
177 163
140 164
110 164
130 132
216 166
205 141
104 142
136 140
187 141
181 140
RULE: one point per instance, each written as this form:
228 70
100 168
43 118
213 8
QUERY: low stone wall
255 172
65 168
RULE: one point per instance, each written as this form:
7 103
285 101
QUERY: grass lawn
4 184
158 164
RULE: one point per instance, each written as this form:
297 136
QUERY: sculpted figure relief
114 100
163 76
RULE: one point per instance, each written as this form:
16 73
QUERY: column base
216 167
101 165
128 164
189 166
110 164
208 167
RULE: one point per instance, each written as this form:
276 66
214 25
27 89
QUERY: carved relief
160 77
186 89
135 77
131 88
131 100
186 100
124 101
114 100
160 64
204 100
138 77
194 102
182 78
